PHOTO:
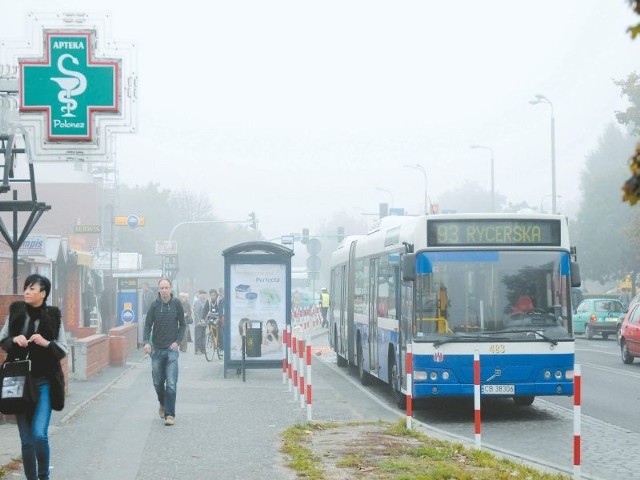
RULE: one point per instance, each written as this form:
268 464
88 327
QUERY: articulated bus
451 285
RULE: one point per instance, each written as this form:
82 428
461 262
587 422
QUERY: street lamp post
542 201
417 166
542 99
493 188
389 193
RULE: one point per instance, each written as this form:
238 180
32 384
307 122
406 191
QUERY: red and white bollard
409 397
308 377
285 333
294 360
577 412
301 376
476 399
289 366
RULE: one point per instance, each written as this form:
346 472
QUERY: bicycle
212 341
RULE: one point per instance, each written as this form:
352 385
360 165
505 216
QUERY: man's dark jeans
164 371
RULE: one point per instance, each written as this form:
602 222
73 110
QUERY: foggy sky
296 110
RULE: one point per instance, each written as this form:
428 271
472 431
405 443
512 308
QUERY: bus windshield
492 296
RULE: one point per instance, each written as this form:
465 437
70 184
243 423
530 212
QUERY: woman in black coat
35 329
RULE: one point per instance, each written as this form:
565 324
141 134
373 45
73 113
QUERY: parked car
598 316
630 335
634 301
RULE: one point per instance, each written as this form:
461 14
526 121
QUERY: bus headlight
547 375
558 375
433 376
445 375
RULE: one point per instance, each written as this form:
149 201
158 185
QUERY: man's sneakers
169 420
161 411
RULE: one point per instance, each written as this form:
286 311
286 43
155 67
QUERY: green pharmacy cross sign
69 85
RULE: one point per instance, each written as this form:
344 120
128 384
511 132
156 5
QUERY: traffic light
340 234
384 210
252 218
305 236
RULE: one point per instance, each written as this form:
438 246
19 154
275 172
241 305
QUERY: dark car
630 335
598 316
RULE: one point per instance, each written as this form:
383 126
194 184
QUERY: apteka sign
69 84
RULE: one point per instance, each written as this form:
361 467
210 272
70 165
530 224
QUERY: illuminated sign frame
494 233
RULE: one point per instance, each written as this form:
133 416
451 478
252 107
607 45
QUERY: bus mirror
408 267
575 275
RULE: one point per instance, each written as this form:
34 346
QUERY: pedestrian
164 327
324 306
33 328
188 320
200 327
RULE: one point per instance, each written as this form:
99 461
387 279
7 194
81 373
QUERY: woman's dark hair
43 282
274 324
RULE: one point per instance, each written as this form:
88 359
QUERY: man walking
164 328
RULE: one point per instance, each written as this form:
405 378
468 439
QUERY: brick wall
90 356
82 332
123 341
5 301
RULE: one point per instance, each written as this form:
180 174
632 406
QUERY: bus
448 285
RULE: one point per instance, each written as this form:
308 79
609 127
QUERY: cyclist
213 306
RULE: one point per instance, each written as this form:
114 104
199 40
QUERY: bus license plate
498 389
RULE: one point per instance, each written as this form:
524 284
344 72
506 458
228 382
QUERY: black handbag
56 390
18 391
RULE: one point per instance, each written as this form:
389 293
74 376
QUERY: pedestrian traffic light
340 235
305 236
252 218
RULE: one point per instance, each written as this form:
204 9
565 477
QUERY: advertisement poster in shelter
258 302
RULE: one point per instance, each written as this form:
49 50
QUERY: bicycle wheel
208 346
216 343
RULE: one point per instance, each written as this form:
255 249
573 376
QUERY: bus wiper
466 338
536 332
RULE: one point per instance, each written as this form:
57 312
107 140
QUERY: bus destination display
449 233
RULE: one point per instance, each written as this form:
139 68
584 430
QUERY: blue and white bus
451 285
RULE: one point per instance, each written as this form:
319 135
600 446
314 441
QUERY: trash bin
254 339
200 333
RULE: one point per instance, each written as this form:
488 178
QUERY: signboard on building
87 229
69 85
166 247
33 246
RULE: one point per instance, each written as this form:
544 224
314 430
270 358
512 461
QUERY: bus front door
373 316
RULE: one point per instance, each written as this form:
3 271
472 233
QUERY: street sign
87 229
69 85
287 240
166 247
313 263
131 221
314 246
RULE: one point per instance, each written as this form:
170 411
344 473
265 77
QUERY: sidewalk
81 393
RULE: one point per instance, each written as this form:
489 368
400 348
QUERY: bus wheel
524 400
342 362
364 376
394 382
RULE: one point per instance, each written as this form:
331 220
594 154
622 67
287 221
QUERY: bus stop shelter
257 282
